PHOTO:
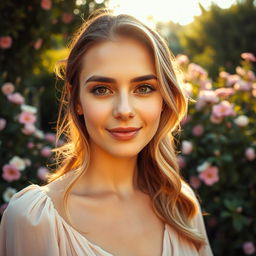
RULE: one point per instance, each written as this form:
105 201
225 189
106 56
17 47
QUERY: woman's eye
145 89
100 90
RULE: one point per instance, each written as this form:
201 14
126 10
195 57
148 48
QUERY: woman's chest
127 228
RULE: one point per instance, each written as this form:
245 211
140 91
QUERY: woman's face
119 90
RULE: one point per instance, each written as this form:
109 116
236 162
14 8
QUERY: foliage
218 141
27 29
170 31
218 36
218 158
25 148
32 34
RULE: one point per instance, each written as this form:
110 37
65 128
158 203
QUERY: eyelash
94 90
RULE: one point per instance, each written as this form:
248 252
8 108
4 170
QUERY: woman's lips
123 133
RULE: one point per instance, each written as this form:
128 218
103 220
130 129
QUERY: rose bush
25 150
28 31
217 152
218 142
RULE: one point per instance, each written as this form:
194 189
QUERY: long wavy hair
158 169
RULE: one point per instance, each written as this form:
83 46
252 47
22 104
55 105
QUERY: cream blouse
32 226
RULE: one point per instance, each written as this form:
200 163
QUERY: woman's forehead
116 57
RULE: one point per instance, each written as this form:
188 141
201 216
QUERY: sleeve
27 227
198 223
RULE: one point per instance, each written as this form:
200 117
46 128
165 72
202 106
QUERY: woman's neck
108 174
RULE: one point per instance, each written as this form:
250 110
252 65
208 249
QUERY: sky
179 11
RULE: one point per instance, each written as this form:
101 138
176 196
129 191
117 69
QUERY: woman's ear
79 109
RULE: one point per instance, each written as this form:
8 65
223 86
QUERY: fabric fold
31 225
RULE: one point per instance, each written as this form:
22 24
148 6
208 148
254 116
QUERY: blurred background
215 45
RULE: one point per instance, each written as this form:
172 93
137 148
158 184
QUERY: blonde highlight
159 174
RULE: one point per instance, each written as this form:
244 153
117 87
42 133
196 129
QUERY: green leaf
225 214
227 158
230 205
239 221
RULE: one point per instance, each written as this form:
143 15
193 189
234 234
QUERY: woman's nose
123 108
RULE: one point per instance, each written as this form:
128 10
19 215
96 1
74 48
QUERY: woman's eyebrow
105 79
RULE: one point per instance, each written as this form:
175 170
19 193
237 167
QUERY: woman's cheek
95 113
151 109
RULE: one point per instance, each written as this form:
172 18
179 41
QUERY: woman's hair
158 170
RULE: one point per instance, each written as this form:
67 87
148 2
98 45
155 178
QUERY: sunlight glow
179 11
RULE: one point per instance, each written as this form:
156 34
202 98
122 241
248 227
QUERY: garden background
216 149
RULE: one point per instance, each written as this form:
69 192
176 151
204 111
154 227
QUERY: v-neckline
82 236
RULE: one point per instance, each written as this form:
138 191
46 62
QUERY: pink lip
124 133
124 129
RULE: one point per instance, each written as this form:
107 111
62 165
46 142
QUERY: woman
117 190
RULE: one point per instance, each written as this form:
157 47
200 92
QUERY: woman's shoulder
30 204
35 201
30 224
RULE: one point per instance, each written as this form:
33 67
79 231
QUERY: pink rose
10 173
42 173
2 123
242 85
51 137
205 84
67 17
38 43
250 154
232 79
210 175
30 145
206 96
248 56
196 72
181 161
198 130
8 88
249 248
224 108
16 98
200 104
182 59
186 147
46 4
195 182
216 120
29 129
5 42
224 92
46 151
26 117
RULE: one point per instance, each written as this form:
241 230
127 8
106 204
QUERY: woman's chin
123 154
